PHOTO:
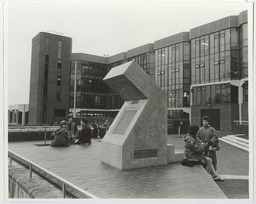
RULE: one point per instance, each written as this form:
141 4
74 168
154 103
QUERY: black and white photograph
125 100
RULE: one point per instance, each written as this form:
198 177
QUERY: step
231 139
237 135
174 155
234 144
238 138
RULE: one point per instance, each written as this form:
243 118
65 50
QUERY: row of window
214 68
90 85
94 101
215 43
215 94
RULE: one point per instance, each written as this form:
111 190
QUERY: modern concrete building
18 114
50 76
203 72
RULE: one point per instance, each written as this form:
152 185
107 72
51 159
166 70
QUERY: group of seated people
68 132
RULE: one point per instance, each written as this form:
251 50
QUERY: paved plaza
81 165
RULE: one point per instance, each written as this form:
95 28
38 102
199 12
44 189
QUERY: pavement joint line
242 177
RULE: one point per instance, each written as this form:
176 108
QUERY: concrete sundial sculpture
138 136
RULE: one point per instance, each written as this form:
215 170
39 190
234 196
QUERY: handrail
63 183
240 122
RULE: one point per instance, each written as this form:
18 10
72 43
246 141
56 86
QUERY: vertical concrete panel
23 115
245 116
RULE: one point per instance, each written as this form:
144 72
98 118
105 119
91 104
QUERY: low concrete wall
28 135
20 186
240 129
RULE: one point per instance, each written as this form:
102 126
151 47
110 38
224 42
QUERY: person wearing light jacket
194 151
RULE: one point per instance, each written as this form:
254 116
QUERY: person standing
208 136
72 130
96 130
106 125
85 134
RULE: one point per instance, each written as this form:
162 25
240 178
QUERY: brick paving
81 166
231 161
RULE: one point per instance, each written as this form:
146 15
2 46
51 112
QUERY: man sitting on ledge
61 138
194 153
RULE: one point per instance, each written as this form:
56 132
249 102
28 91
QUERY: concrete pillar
191 103
240 101
9 116
13 116
23 115
17 116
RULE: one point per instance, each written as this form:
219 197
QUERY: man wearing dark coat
61 138
85 134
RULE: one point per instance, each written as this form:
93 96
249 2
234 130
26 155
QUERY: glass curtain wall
147 62
91 91
214 58
244 49
172 73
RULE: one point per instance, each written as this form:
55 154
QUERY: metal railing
65 186
241 122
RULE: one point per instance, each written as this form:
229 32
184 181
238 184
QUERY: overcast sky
97 29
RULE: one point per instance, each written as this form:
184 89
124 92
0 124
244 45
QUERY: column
191 103
240 101
23 115
13 116
17 116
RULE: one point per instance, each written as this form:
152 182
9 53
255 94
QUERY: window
207 69
227 39
245 92
222 44
217 98
59 49
234 39
193 48
234 64
222 67
216 43
211 43
203 95
198 96
206 45
47 45
212 68
197 47
245 61
208 95
59 113
202 45
245 34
